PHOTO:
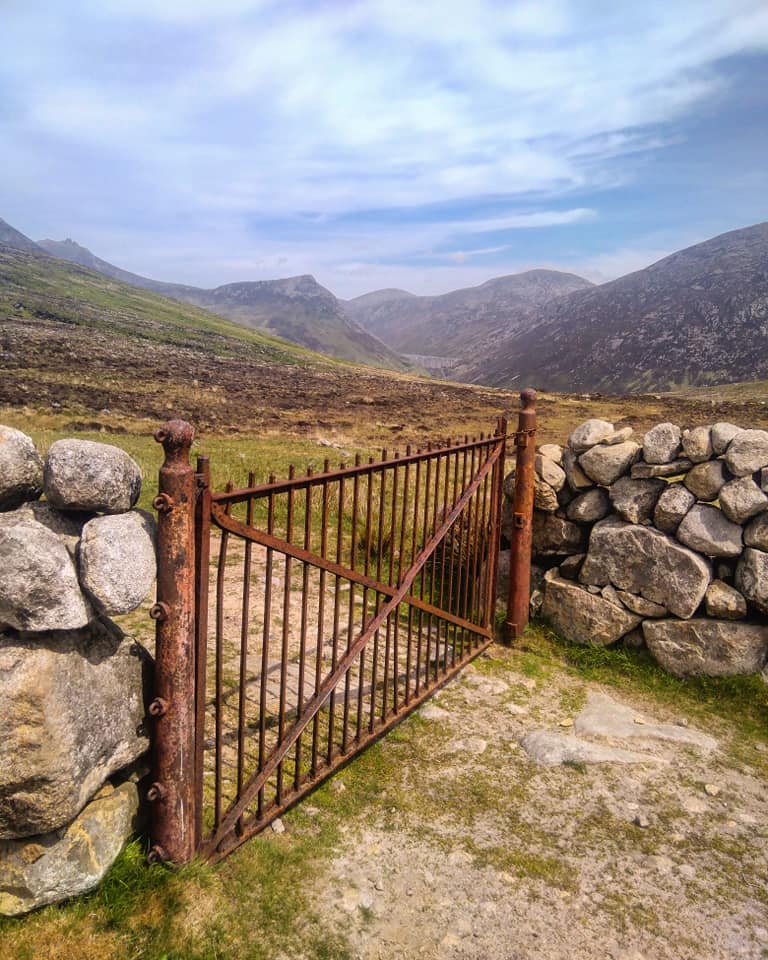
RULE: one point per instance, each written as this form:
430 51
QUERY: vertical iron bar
247 555
522 519
286 632
173 814
265 644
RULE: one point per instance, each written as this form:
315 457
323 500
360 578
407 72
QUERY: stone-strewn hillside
697 317
297 309
463 322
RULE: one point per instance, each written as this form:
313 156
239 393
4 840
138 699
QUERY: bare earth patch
478 851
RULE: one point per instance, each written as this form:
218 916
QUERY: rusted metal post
172 793
522 519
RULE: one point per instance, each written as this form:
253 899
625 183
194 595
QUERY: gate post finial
172 796
522 519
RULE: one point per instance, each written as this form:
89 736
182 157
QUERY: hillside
297 309
11 237
697 317
460 323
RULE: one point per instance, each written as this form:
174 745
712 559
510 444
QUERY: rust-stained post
522 519
172 793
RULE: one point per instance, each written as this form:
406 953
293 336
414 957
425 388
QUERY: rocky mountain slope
297 309
697 317
11 237
460 323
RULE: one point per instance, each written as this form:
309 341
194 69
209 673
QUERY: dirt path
475 850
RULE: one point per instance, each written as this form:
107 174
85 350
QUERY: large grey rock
581 617
706 480
704 647
724 602
550 472
39 589
70 861
634 500
752 578
747 452
589 433
550 748
73 713
66 524
605 465
590 506
697 444
21 469
756 532
117 561
575 476
742 499
553 536
83 475
645 561
672 506
544 497
706 529
553 451
722 434
604 717
662 443
675 468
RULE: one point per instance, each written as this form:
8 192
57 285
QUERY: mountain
10 237
458 324
697 317
297 309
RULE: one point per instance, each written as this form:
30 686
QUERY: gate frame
182 546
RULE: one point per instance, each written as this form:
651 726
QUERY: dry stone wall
659 540
73 687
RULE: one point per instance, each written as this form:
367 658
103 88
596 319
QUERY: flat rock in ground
672 506
725 602
605 464
39 589
582 617
83 475
751 578
705 647
646 562
551 748
589 433
21 469
605 717
117 560
742 499
697 444
706 529
706 480
70 861
635 500
747 452
722 434
73 714
661 444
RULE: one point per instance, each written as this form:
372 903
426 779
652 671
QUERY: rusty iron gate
300 619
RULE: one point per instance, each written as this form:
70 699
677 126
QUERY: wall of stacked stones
73 687
659 540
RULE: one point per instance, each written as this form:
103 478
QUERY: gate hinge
519 521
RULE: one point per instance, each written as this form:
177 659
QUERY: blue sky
427 145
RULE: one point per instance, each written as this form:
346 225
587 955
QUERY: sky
427 145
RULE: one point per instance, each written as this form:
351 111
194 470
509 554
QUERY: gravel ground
488 853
